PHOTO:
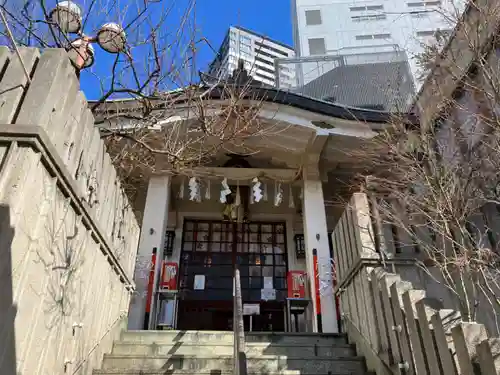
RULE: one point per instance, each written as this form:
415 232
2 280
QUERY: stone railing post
417 339
355 254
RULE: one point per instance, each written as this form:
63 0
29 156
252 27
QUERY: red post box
296 281
169 276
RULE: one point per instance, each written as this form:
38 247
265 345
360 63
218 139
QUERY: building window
419 14
244 48
245 40
372 17
313 17
317 46
368 7
264 78
373 36
245 55
269 48
260 59
364 37
271 71
425 33
423 4
263 53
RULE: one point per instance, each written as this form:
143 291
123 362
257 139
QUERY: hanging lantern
68 16
300 247
111 37
78 56
168 247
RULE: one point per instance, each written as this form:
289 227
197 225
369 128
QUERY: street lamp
111 36
81 59
68 16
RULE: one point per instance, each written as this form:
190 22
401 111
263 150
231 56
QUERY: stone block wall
68 238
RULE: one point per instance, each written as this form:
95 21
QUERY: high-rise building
257 51
327 27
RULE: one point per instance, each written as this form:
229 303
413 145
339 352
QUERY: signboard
268 294
199 282
251 309
169 276
296 281
268 282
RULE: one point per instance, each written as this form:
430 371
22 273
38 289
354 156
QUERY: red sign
169 276
296 281
151 281
316 282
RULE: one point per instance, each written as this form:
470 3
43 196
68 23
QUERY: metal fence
377 78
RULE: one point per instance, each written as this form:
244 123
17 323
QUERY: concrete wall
68 239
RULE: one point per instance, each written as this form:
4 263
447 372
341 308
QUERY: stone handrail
391 322
69 236
107 339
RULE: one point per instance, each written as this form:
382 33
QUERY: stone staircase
211 353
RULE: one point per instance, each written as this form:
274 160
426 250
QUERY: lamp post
110 37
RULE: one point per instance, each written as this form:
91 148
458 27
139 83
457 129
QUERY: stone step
226 337
262 363
212 372
252 349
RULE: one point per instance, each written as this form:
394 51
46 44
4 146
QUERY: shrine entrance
210 252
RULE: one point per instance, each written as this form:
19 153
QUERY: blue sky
268 17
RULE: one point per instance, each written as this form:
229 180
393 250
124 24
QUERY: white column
316 237
154 223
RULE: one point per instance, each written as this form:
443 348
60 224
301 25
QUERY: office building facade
258 53
329 27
